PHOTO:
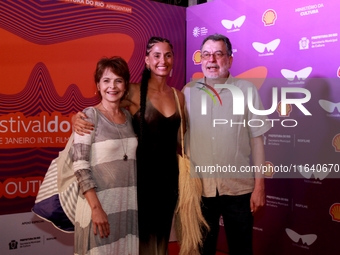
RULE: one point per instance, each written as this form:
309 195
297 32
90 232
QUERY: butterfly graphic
228 24
318 173
329 106
301 74
306 239
271 46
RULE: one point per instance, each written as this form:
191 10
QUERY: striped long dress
99 164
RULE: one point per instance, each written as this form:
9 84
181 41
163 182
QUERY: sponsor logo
329 106
288 110
270 172
199 31
270 46
269 17
334 211
301 74
237 23
196 31
336 142
196 57
308 239
307 173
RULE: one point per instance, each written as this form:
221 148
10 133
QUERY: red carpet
174 249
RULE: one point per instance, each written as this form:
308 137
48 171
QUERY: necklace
125 157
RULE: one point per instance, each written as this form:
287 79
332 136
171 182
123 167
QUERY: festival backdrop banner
49 50
292 46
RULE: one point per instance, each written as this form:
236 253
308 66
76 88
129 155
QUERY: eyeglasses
217 55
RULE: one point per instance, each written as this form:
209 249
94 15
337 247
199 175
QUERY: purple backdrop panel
288 46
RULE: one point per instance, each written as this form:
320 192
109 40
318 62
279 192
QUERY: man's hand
257 199
80 125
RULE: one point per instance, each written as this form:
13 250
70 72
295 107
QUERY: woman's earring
170 74
148 67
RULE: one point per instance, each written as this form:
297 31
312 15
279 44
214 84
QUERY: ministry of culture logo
13 245
304 43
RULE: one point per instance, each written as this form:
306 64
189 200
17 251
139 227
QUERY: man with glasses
220 145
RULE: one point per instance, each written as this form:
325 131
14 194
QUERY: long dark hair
146 75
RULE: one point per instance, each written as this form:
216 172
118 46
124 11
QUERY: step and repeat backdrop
48 54
290 50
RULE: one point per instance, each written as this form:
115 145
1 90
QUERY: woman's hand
100 222
99 218
81 126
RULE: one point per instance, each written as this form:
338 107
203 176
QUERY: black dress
157 178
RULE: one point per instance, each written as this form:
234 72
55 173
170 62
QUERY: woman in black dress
156 122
